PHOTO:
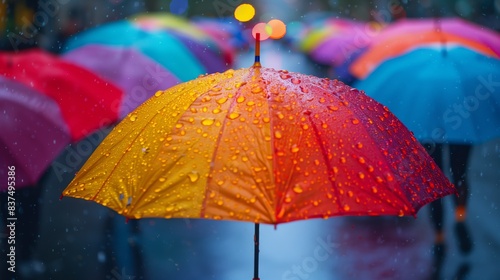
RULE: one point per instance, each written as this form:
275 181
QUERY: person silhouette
458 156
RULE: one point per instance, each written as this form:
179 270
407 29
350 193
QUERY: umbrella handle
256 253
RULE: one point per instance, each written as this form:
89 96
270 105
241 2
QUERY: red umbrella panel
86 101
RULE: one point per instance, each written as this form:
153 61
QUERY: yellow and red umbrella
263 146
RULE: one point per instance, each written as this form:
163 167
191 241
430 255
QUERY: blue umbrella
444 94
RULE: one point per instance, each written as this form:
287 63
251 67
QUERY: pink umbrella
33 132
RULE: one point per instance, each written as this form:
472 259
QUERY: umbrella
455 26
334 41
33 132
86 101
399 44
260 145
186 57
137 75
443 97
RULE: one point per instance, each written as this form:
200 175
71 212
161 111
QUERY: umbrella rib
123 155
217 142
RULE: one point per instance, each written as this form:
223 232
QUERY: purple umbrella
33 133
136 74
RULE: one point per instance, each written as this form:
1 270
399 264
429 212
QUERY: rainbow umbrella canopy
439 82
263 146
174 43
336 42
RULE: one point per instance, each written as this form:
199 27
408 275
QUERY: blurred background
76 239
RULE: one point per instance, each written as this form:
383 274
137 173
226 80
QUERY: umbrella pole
256 253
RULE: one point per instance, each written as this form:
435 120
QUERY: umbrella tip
257 50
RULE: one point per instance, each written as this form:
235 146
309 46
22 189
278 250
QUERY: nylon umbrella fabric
206 46
86 101
455 26
183 56
260 145
138 76
399 44
336 40
33 132
442 95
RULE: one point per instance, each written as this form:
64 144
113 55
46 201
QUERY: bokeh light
244 12
278 29
264 29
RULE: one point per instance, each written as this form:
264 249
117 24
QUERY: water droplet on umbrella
350 193
161 179
178 125
333 108
133 118
347 208
288 199
277 134
216 110
389 177
361 160
207 122
285 76
295 81
193 176
240 99
361 175
222 100
294 148
256 89
355 121
233 116
238 85
158 93
297 189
